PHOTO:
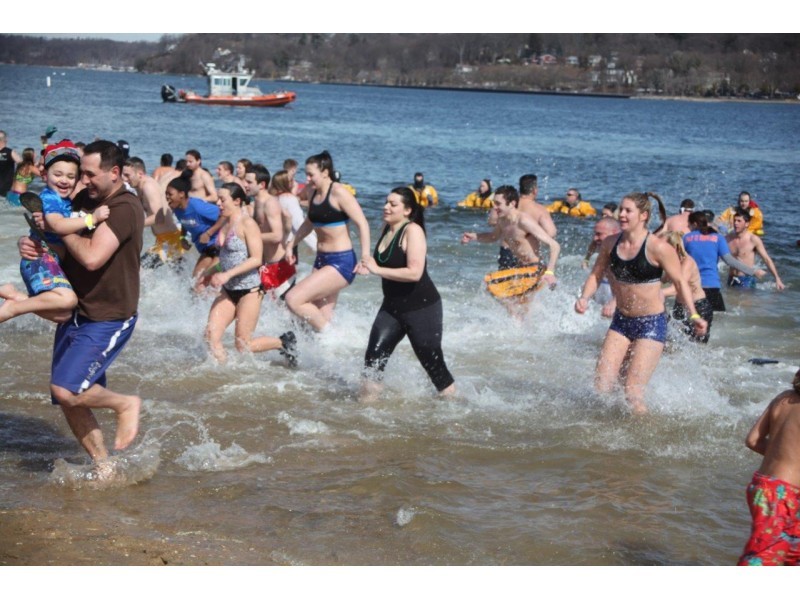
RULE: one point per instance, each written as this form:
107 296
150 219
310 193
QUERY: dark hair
261 173
289 163
323 161
410 201
110 154
744 193
528 184
180 165
489 185
246 162
281 182
577 193
642 202
700 220
166 160
135 162
237 193
687 203
227 165
194 153
182 183
509 192
612 206
745 214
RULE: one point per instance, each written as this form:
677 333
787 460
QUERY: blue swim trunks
43 274
344 262
84 349
648 327
742 281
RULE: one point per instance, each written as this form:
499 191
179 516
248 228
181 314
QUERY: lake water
256 463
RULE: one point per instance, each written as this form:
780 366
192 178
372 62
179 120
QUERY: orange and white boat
231 88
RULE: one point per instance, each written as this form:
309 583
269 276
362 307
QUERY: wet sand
32 537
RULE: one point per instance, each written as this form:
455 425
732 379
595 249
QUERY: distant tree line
751 65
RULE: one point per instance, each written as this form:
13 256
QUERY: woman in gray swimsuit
237 275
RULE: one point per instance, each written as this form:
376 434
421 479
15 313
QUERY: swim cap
63 150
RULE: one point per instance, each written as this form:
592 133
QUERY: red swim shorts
275 276
775 534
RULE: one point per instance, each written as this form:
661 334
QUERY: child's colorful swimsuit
775 535
45 273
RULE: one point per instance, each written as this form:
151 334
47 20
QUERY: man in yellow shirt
746 204
426 194
573 205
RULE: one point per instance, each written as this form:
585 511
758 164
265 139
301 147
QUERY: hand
700 326
371 265
608 310
779 284
584 264
468 236
204 237
550 280
361 267
581 305
290 256
38 218
760 273
218 280
100 214
29 249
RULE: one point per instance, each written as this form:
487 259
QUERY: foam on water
210 456
129 468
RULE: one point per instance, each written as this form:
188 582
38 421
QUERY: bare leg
247 312
57 302
449 391
87 431
644 358
370 392
609 363
222 313
320 289
9 292
126 407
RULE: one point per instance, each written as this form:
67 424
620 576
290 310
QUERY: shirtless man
523 235
774 492
277 275
202 181
602 229
225 173
170 173
680 222
158 215
743 246
528 190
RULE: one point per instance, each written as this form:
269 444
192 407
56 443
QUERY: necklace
383 257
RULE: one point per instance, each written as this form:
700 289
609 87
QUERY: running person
692 276
330 209
411 303
638 331
237 275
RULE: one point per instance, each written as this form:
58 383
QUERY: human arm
62 225
433 195
589 251
351 207
762 252
206 236
255 251
529 225
305 229
595 276
95 251
208 186
667 258
758 436
416 247
587 210
484 237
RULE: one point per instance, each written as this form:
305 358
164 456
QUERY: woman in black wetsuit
411 304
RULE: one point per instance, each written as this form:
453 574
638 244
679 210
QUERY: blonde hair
675 239
642 202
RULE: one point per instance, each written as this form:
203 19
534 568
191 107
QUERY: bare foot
128 423
105 471
638 409
7 311
370 392
9 292
449 392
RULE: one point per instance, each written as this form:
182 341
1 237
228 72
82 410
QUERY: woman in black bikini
411 304
329 211
636 259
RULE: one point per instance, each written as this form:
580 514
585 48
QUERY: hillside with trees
695 65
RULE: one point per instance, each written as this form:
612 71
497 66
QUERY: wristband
694 317
549 272
89 220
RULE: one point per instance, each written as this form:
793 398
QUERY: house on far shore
572 61
547 59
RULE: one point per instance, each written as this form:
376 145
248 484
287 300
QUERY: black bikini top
636 270
324 215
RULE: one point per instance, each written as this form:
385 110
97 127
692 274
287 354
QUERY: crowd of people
81 262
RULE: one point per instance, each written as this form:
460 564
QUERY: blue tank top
324 215
636 270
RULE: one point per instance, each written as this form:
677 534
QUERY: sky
417 16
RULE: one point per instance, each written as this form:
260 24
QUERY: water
528 466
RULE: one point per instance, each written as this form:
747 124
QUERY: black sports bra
636 270
324 215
